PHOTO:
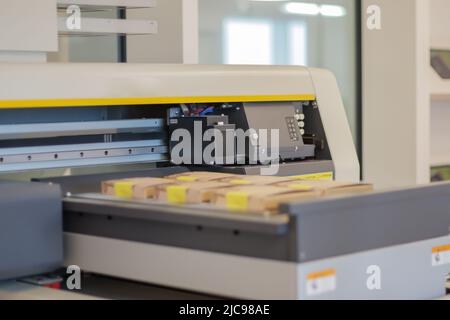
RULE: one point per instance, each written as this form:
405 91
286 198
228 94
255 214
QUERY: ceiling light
332 11
310 9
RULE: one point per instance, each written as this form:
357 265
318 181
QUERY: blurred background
323 34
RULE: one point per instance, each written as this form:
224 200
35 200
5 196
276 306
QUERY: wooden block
329 188
259 199
133 188
241 180
184 192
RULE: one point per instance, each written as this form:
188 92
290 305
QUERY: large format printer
114 120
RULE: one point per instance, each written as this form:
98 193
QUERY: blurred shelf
439 88
440 46
440 96
440 161
95 26
102 4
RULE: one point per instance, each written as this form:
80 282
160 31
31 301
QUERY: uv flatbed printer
115 120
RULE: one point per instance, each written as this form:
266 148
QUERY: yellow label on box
324 176
177 194
300 187
124 189
237 201
240 182
187 178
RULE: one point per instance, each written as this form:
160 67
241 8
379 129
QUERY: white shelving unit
130 4
440 119
94 26
439 88
90 26
396 96
406 116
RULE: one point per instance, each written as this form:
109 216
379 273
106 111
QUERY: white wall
177 38
396 109
27 29
440 23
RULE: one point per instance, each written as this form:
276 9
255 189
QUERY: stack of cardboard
190 192
237 193
176 189
259 198
134 188
328 188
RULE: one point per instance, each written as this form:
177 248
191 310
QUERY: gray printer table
351 224
12 290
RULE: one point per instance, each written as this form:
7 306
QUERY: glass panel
298 44
314 33
248 42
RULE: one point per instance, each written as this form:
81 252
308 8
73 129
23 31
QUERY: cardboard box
134 188
190 192
259 199
200 176
328 188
